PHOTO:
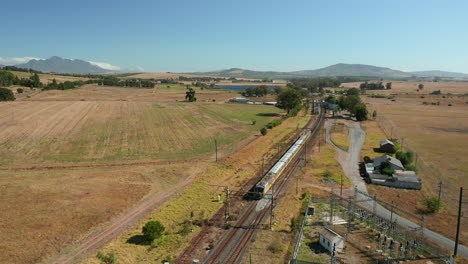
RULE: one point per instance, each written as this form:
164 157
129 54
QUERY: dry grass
373 137
54 208
199 197
339 134
44 132
44 210
47 78
438 135
402 87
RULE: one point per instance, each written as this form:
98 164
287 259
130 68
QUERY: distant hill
440 74
340 69
60 65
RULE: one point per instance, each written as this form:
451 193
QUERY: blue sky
176 35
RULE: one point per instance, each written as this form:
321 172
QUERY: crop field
402 87
71 161
438 134
47 78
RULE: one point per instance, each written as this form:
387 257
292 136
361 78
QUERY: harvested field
438 135
40 133
66 163
402 87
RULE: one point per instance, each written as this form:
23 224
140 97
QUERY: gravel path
349 162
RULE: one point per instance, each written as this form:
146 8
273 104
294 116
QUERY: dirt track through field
119 225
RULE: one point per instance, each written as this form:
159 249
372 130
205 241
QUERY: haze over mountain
340 69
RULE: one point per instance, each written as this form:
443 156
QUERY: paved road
349 162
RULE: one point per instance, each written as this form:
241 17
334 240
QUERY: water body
238 88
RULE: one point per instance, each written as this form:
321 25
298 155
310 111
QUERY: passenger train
267 181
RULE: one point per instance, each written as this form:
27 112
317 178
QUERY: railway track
232 246
236 240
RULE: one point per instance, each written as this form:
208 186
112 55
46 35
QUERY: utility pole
263 163
440 191
341 186
458 221
272 215
216 149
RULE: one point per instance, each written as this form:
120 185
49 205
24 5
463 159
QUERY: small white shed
328 238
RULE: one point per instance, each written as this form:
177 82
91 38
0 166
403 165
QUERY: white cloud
16 61
106 66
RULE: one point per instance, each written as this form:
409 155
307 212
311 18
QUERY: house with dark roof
400 178
387 146
395 164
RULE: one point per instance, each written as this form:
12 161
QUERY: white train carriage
267 181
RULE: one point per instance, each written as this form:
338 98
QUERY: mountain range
61 65
340 69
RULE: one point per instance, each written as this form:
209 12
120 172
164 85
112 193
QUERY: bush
449 104
437 92
6 95
153 230
264 131
406 158
388 172
367 159
20 90
107 259
254 122
276 247
432 204
273 124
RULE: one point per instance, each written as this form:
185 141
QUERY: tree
6 95
361 112
421 86
153 230
389 85
353 91
107 259
289 99
190 95
374 114
36 82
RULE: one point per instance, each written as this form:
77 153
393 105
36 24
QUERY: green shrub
107 259
388 172
254 122
367 159
20 90
432 204
274 123
264 131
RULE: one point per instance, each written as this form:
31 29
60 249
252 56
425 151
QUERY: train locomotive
267 181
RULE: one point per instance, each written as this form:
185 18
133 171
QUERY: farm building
395 164
401 178
329 239
387 146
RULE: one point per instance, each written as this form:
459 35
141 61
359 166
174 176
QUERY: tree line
375 86
261 90
113 81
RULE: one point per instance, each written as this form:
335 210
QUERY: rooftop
392 160
386 141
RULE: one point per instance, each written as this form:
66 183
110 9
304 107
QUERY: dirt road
349 162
